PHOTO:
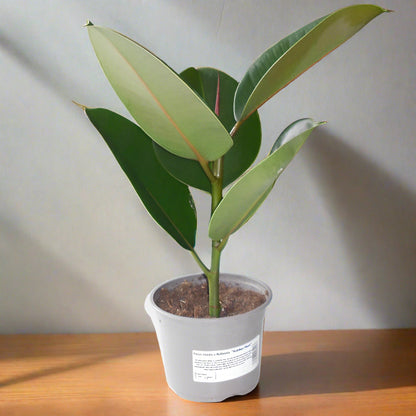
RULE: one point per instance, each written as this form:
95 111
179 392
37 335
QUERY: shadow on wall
47 76
41 294
376 214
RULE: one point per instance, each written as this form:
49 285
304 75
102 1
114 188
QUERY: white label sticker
223 365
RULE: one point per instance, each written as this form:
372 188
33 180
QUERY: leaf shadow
48 78
334 372
375 213
64 368
76 351
40 293
382 361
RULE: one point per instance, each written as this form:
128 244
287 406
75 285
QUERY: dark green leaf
246 141
167 200
193 78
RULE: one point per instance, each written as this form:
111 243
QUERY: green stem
200 262
214 282
207 170
222 244
214 273
216 188
235 128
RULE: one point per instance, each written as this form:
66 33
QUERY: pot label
223 365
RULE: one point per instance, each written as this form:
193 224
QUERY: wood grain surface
337 373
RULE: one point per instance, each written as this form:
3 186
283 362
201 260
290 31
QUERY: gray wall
336 238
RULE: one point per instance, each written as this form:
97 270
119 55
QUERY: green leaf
246 141
292 131
293 55
246 195
193 78
187 171
162 104
168 201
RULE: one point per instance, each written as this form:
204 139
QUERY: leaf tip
79 105
88 23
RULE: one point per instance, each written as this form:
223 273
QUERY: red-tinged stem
217 99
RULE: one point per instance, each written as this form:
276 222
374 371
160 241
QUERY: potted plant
200 128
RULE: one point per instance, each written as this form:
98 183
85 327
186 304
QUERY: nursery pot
210 359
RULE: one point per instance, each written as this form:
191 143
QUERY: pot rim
150 303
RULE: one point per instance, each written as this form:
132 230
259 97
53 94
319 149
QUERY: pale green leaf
163 105
293 55
247 194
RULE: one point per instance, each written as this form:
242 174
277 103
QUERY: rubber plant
200 128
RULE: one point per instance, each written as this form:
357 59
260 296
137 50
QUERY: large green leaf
192 77
247 194
246 141
167 200
161 103
293 55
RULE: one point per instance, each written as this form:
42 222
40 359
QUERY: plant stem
215 175
200 262
214 282
214 273
222 244
235 128
216 188
205 167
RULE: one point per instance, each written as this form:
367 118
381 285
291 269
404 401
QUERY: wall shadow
376 215
40 72
39 293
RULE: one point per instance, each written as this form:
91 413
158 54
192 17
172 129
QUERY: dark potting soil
191 299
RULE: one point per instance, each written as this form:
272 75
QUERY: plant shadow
44 372
49 78
375 213
320 372
40 293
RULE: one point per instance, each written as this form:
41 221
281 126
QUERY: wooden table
371 372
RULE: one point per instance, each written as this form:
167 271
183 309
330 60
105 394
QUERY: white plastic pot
210 359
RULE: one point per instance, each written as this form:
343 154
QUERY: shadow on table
321 372
84 351
55 370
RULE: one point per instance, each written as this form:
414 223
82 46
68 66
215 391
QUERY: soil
190 299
